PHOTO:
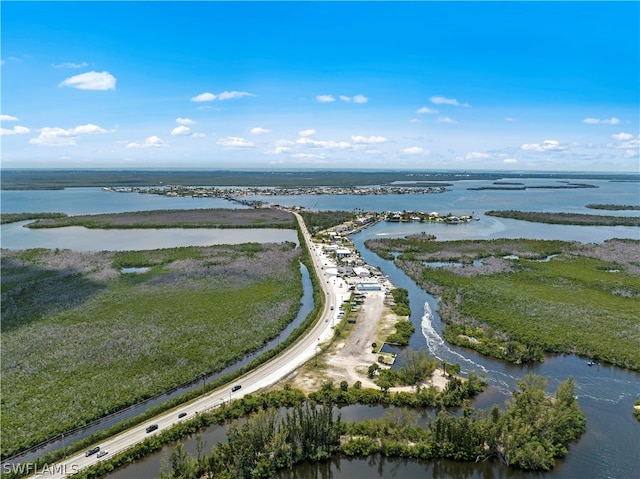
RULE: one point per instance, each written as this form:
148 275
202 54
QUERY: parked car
92 451
235 388
152 428
182 414
102 453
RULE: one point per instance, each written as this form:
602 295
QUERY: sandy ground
348 358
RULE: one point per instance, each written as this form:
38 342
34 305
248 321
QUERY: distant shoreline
41 179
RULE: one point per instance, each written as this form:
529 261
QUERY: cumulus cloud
149 142
181 130
198 135
8 118
412 150
71 65
622 136
476 155
327 144
510 161
364 140
325 98
206 96
278 150
233 142
16 130
185 121
55 136
91 81
546 145
597 121
359 99
440 100
446 119
427 110
231 95
259 130
225 95
307 132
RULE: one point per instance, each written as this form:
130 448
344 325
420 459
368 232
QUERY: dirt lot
347 358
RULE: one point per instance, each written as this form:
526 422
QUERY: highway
335 290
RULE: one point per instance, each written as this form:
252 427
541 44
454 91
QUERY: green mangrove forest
523 298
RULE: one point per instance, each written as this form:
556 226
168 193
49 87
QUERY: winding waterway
609 448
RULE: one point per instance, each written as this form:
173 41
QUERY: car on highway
152 428
182 414
92 451
102 453
235 388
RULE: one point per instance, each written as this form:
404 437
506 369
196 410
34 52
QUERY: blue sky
339 85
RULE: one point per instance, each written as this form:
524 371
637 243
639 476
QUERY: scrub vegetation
530 297
530 433
324 220
202 218
567 218
81 338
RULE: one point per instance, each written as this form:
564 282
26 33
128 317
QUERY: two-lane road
335 290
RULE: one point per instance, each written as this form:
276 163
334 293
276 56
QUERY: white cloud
259 130
414 120
233 142
71 65
476 155
325 98
185 121
632 153
55 136
596 121
150 142
363 140
278 150
198 135
622 136
427 110
225 95
308 156
181 130
412 150
16 130
510 161
307 132
508 118
331 145
8 118
446 119
440 100
230 95
546 145
359 99
91 81
206 96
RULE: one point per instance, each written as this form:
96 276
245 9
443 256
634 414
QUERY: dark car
235 388
182 414
152 428
92 451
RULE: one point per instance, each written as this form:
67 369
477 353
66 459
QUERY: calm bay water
610 447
